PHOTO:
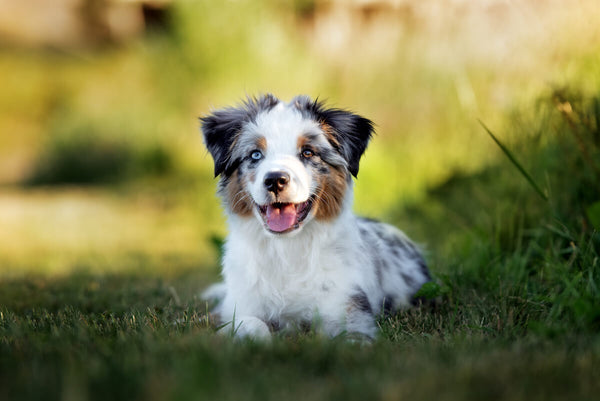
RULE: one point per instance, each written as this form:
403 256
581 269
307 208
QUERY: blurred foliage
86 155
494 235
132 107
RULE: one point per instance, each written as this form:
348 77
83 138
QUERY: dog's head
285 163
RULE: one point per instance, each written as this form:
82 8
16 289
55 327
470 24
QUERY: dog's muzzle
282 213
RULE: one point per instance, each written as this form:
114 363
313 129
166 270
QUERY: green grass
515 314
145 355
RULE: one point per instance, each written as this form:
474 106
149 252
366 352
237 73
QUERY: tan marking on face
261 143
328 131
330 198
239 200
303 141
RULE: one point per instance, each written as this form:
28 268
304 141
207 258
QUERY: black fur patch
221 128
410 280
388 306
361 302
378 270
323 170
273 325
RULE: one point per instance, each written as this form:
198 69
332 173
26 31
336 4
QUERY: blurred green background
101 161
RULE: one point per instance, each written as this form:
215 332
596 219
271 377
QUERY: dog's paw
248 327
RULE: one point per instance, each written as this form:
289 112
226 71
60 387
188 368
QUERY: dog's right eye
256 155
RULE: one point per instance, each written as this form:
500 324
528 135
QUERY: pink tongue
281 219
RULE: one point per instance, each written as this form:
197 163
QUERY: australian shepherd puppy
296 256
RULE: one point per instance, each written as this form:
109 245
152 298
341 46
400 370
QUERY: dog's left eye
307 153
256 155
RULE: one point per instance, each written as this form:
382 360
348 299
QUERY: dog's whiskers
325 198
244 197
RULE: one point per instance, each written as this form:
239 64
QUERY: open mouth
281 218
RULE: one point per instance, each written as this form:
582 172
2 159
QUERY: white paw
249 327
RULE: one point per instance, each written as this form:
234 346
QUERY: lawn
109 226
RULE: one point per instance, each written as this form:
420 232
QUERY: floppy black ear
350 133
353 133
219 130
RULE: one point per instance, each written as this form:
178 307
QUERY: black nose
276 181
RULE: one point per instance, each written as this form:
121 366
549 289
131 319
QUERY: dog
296 257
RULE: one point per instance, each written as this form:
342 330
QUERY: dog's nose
276 181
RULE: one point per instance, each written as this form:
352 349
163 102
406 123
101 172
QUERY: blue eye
256 155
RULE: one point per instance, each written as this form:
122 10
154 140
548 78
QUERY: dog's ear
347 132
219 130
352 132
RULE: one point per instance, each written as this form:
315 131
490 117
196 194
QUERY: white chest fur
294 278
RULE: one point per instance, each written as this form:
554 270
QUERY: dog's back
398 263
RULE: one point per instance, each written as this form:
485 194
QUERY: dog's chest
293 278
302 272
299 296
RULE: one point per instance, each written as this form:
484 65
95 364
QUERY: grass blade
515 162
